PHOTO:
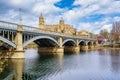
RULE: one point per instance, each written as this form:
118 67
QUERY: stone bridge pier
58 49
18 52
83 45
71 46
66 46
90 45
95 45
19 36
72 49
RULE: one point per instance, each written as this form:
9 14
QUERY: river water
91 65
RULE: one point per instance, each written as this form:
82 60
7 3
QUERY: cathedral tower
61 21
61 25
41 22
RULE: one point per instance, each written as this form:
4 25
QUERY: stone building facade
86 34
60 28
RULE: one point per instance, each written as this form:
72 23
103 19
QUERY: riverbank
118 48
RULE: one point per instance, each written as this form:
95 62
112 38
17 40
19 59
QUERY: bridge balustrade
13 26
7 25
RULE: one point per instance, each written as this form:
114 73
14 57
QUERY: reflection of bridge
18 36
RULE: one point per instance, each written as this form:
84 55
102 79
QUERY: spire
41 15
20 17
41 21
61 20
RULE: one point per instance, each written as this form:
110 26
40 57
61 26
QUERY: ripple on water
92 65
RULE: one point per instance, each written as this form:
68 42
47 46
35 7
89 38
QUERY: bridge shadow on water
34 66
53 67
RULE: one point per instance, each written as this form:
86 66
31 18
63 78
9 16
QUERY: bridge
18 36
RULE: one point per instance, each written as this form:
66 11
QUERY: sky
90 15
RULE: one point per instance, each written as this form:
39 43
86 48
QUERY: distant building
60 28
84 33
93 35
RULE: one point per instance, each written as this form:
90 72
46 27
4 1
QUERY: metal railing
13 26
7 25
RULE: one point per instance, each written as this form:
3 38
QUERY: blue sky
91 15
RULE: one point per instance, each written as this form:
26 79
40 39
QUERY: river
90 65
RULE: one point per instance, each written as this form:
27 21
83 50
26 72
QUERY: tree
115 32
105 34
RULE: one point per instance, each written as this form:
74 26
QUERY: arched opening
69 43
81 44
89 44
42 41
69 46
45 44
94 43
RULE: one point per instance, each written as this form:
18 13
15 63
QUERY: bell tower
41 22
61 25
61 21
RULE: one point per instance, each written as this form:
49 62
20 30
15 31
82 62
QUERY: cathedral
61 27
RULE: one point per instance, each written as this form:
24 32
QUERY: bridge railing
29 28
13 26
7 25
38 30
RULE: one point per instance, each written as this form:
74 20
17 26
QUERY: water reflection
110 59
43 67
3 65
11 69
91 65
16 66
115 61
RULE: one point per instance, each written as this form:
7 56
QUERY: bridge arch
94 43
67 41
7 41
89 42
40 37
81 42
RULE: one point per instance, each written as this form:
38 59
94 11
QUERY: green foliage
62 31
74 33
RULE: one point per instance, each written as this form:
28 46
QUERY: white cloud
107 26
73 17
117 18
96 26
83 2
91 7
16 2
20 3
101 6
49 10
45 8
11 15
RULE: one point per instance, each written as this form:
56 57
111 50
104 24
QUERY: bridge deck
35 30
